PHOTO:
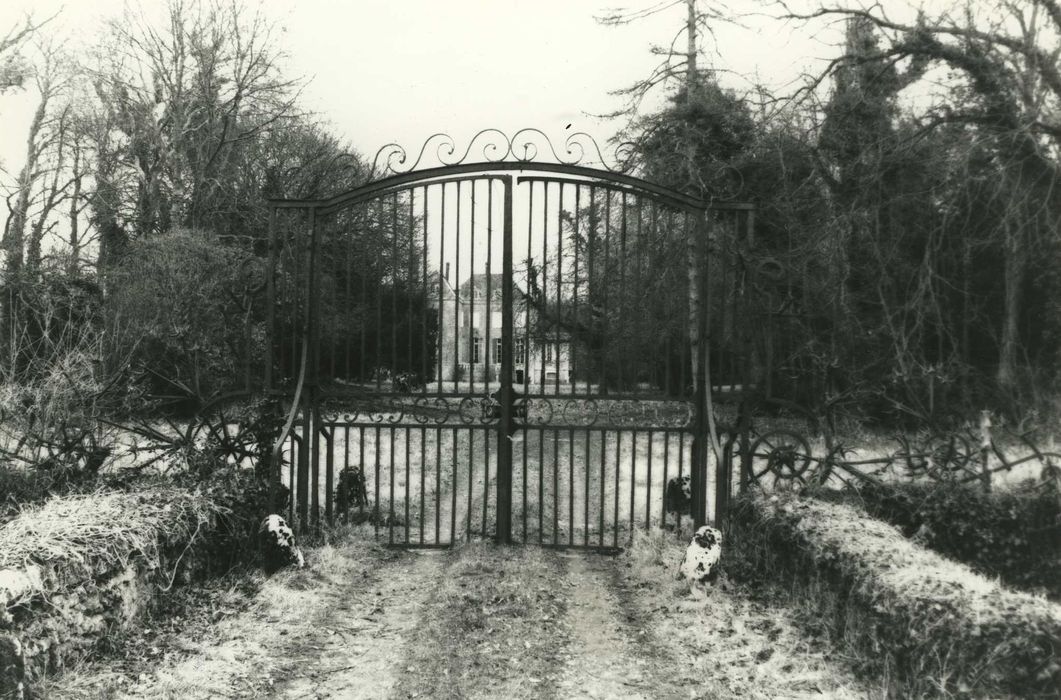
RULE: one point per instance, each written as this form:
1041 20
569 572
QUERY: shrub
1014 534
924 624
176 306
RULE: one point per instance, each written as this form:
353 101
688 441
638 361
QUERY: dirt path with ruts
486 621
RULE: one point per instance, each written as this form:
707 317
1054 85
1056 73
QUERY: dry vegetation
231 646
924 624
737 642
476 621
105 529
77 569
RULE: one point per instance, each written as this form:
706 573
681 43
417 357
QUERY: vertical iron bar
394 291
408 483
410 366
378 293
648 480
505 430
438 484
270 305
376 510
472 303
348 301
605 274
390 486
590 280
363 308
441 320
332 344
423 473
619 461
329 477
541 485
361 465
681 467
668 350
525 360
603 473
293 495
487 314
575 242
453 509
423 301
346 450
586 500
633 476
559 284
457 299
622 293
545 287
571 486
666 469
471 478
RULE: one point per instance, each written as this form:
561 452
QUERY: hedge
923 624
1013 534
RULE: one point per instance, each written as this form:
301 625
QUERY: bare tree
186 96
14 68
41 184
1006 87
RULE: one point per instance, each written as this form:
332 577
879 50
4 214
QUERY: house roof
476 286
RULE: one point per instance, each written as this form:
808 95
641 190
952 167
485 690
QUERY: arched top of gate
528 146
491 151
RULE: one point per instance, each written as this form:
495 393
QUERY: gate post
309 455
700 438
503 527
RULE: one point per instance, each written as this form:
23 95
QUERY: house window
521 351
476 345
548 353
497 351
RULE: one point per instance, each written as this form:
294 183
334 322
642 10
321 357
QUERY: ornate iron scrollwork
527 145
528 411
596 412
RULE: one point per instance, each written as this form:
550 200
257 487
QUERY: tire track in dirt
355 649
492 629
610 656
333 630
730 643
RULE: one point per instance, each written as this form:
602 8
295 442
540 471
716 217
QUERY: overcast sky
401 70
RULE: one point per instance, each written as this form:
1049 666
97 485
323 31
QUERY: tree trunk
14 237
690 161
75 198
1015 268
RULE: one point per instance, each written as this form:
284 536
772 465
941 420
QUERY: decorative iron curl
726 183
494 146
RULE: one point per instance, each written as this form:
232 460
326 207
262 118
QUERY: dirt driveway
481 621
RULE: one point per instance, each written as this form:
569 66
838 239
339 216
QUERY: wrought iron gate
503 348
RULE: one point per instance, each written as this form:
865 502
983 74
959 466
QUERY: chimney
447 272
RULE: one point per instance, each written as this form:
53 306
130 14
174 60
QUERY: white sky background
401 70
